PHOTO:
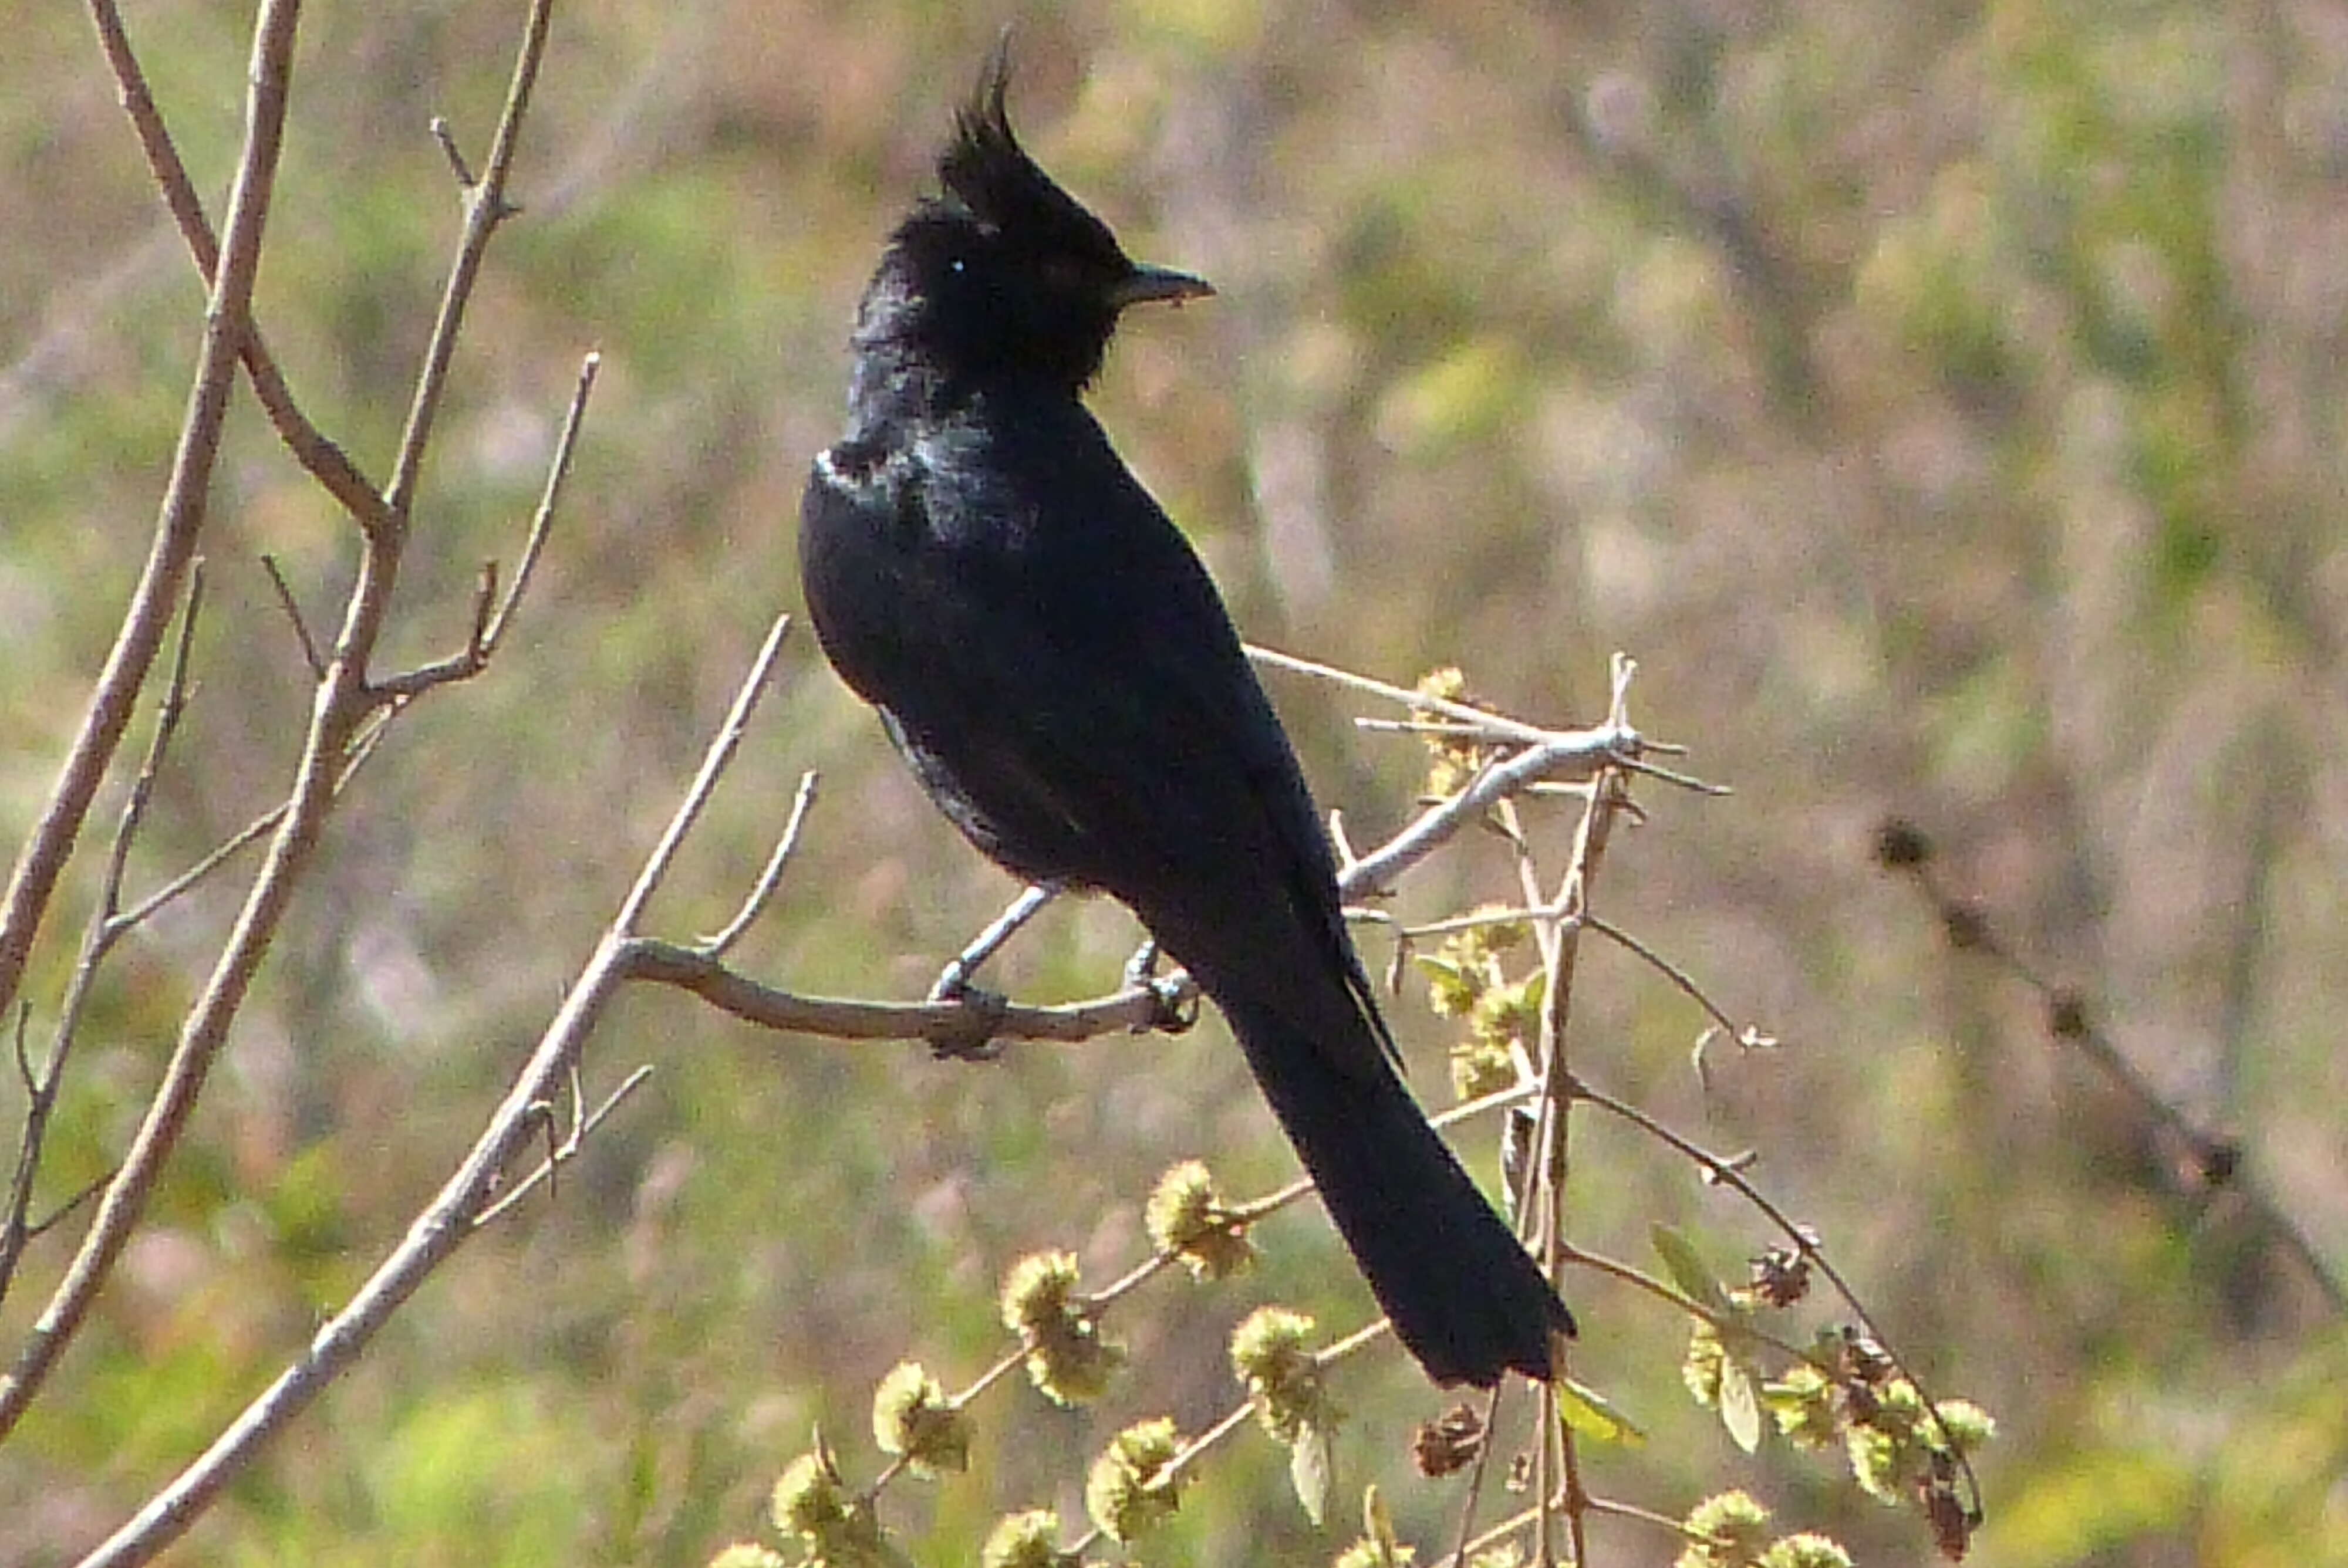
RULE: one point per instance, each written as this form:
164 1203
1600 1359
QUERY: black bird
1053 660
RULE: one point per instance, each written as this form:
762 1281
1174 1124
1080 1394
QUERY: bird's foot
952 984
1177 995
1178 1002
969 1037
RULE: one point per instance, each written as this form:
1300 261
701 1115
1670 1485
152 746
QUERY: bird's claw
969 1037
953 983
1176 996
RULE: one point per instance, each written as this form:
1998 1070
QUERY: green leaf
1308 1471
1377 1519
1740 1411
1687 1269
1587 1411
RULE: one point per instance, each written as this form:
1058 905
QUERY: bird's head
1003 272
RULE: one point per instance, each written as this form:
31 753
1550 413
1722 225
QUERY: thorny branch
2211 1160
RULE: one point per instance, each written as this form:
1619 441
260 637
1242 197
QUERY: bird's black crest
986 170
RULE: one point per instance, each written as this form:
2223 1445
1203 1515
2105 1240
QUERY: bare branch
491 614
948 1024
769 879
182 518
1417 701
293 608
568 1150
485 209
1680 979
953 982
1556 751
322 460
64 1211
252 832
342 707
2212 1160
105 927
446 135
556 475
454 1213
179 523
713 766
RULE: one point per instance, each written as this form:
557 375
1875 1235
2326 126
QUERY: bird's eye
954 265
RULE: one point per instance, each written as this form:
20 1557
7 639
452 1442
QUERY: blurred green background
1944 404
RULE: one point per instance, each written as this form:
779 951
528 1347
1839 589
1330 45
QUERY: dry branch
339 728
177 526
464 1202
110 707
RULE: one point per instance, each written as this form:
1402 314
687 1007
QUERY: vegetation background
1944 404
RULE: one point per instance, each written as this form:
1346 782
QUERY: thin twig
337 719
436 1233
2215 1160
443 133
1680 979
324 461
763 890
492 614
206 1024
567 1149
64 1211
1419 701
252 832
179 523
713 766
1580 750
485 209
1728 1323
1480 1475
1730 1174
292 608
105 927
1530 1515
182 516
542 522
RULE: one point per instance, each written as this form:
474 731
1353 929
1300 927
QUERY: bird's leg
1177 994
953 982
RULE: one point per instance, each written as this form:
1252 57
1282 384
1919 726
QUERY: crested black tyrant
1051 657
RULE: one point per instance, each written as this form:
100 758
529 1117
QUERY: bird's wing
1059 671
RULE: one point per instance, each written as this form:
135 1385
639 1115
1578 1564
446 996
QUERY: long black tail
1464 1296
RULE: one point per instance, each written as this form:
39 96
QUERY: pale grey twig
769 878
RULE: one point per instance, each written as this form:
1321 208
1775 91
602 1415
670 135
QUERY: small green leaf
1377 1519
1740 1411
1308 1472
1587 1411
1687 1270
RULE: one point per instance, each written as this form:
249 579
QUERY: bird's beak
1146 283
